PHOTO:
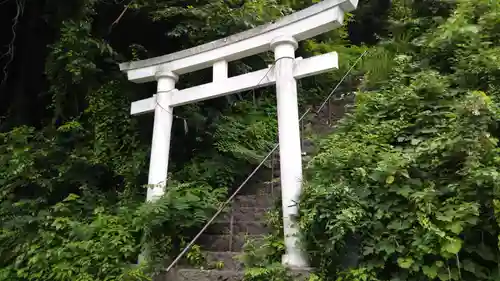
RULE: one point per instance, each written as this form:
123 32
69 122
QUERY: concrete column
160 148
290 148
219 71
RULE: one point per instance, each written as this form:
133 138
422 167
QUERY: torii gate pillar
290 149
162 128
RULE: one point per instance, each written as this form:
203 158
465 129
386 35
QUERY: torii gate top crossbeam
307 23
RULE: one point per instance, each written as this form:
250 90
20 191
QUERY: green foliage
273 272
239 140
76 239
405 188
194 256
270 249
114 134
65 248
71 194
262 257
209 20
93 232
71 66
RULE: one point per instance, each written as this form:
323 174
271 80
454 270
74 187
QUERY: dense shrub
407 187
64 218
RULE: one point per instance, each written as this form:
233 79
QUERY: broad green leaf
452 246
387 246
71 197
367 251
446 217
405 262
430 271
456 227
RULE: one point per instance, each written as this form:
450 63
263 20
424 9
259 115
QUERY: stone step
258 201
249 214
191 274
308 147
240 213
258 182
264 187
238 227
226 243
208 275
245 205
223 260
269 187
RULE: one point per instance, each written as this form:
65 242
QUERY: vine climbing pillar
160 147
290 149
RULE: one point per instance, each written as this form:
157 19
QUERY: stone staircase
244 219
223 241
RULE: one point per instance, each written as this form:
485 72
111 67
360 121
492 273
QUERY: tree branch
121 15
11 46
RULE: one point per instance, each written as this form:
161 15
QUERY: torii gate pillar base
290 149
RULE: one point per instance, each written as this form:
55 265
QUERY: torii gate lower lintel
281 37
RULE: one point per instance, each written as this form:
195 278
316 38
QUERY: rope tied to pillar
171 112
163 108
267 73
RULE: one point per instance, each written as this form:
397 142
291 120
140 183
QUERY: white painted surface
305 28
160 146
220 86
143 106
219 71
290 147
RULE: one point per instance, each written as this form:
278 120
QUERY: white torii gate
281 37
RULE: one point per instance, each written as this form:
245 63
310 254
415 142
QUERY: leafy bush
91 233
238 141
406 188
104 245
